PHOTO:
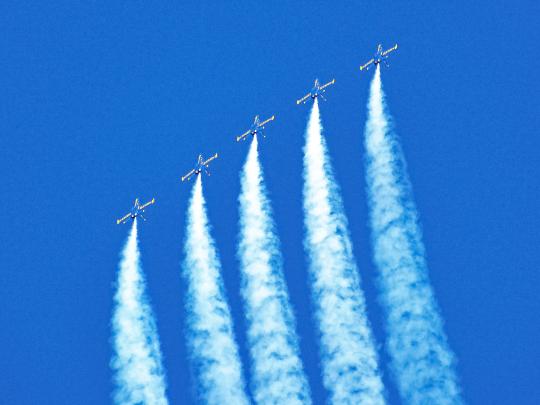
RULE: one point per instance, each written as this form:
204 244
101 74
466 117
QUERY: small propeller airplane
380 56
256 128
316 91
201 165
136 211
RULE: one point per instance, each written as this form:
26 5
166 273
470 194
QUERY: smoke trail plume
349 358
421 359
210 332
139 374
278 376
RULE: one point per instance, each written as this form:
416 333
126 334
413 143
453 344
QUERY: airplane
316 91
256 128
380 56
136 211
201 165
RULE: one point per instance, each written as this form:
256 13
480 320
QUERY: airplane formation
258 128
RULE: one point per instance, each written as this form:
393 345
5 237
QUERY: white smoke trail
278 375
139 374
210 332
421 359
349 358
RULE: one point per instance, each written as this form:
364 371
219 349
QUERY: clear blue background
104 101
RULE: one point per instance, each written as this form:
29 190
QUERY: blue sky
106 101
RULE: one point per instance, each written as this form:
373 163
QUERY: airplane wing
187 176
123 219
210 159
267 121
366 66
243 136
389 50
324 86
303 99
142 207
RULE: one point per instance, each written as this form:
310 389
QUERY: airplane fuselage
255 126
199 167
378 57
135 209
316 90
